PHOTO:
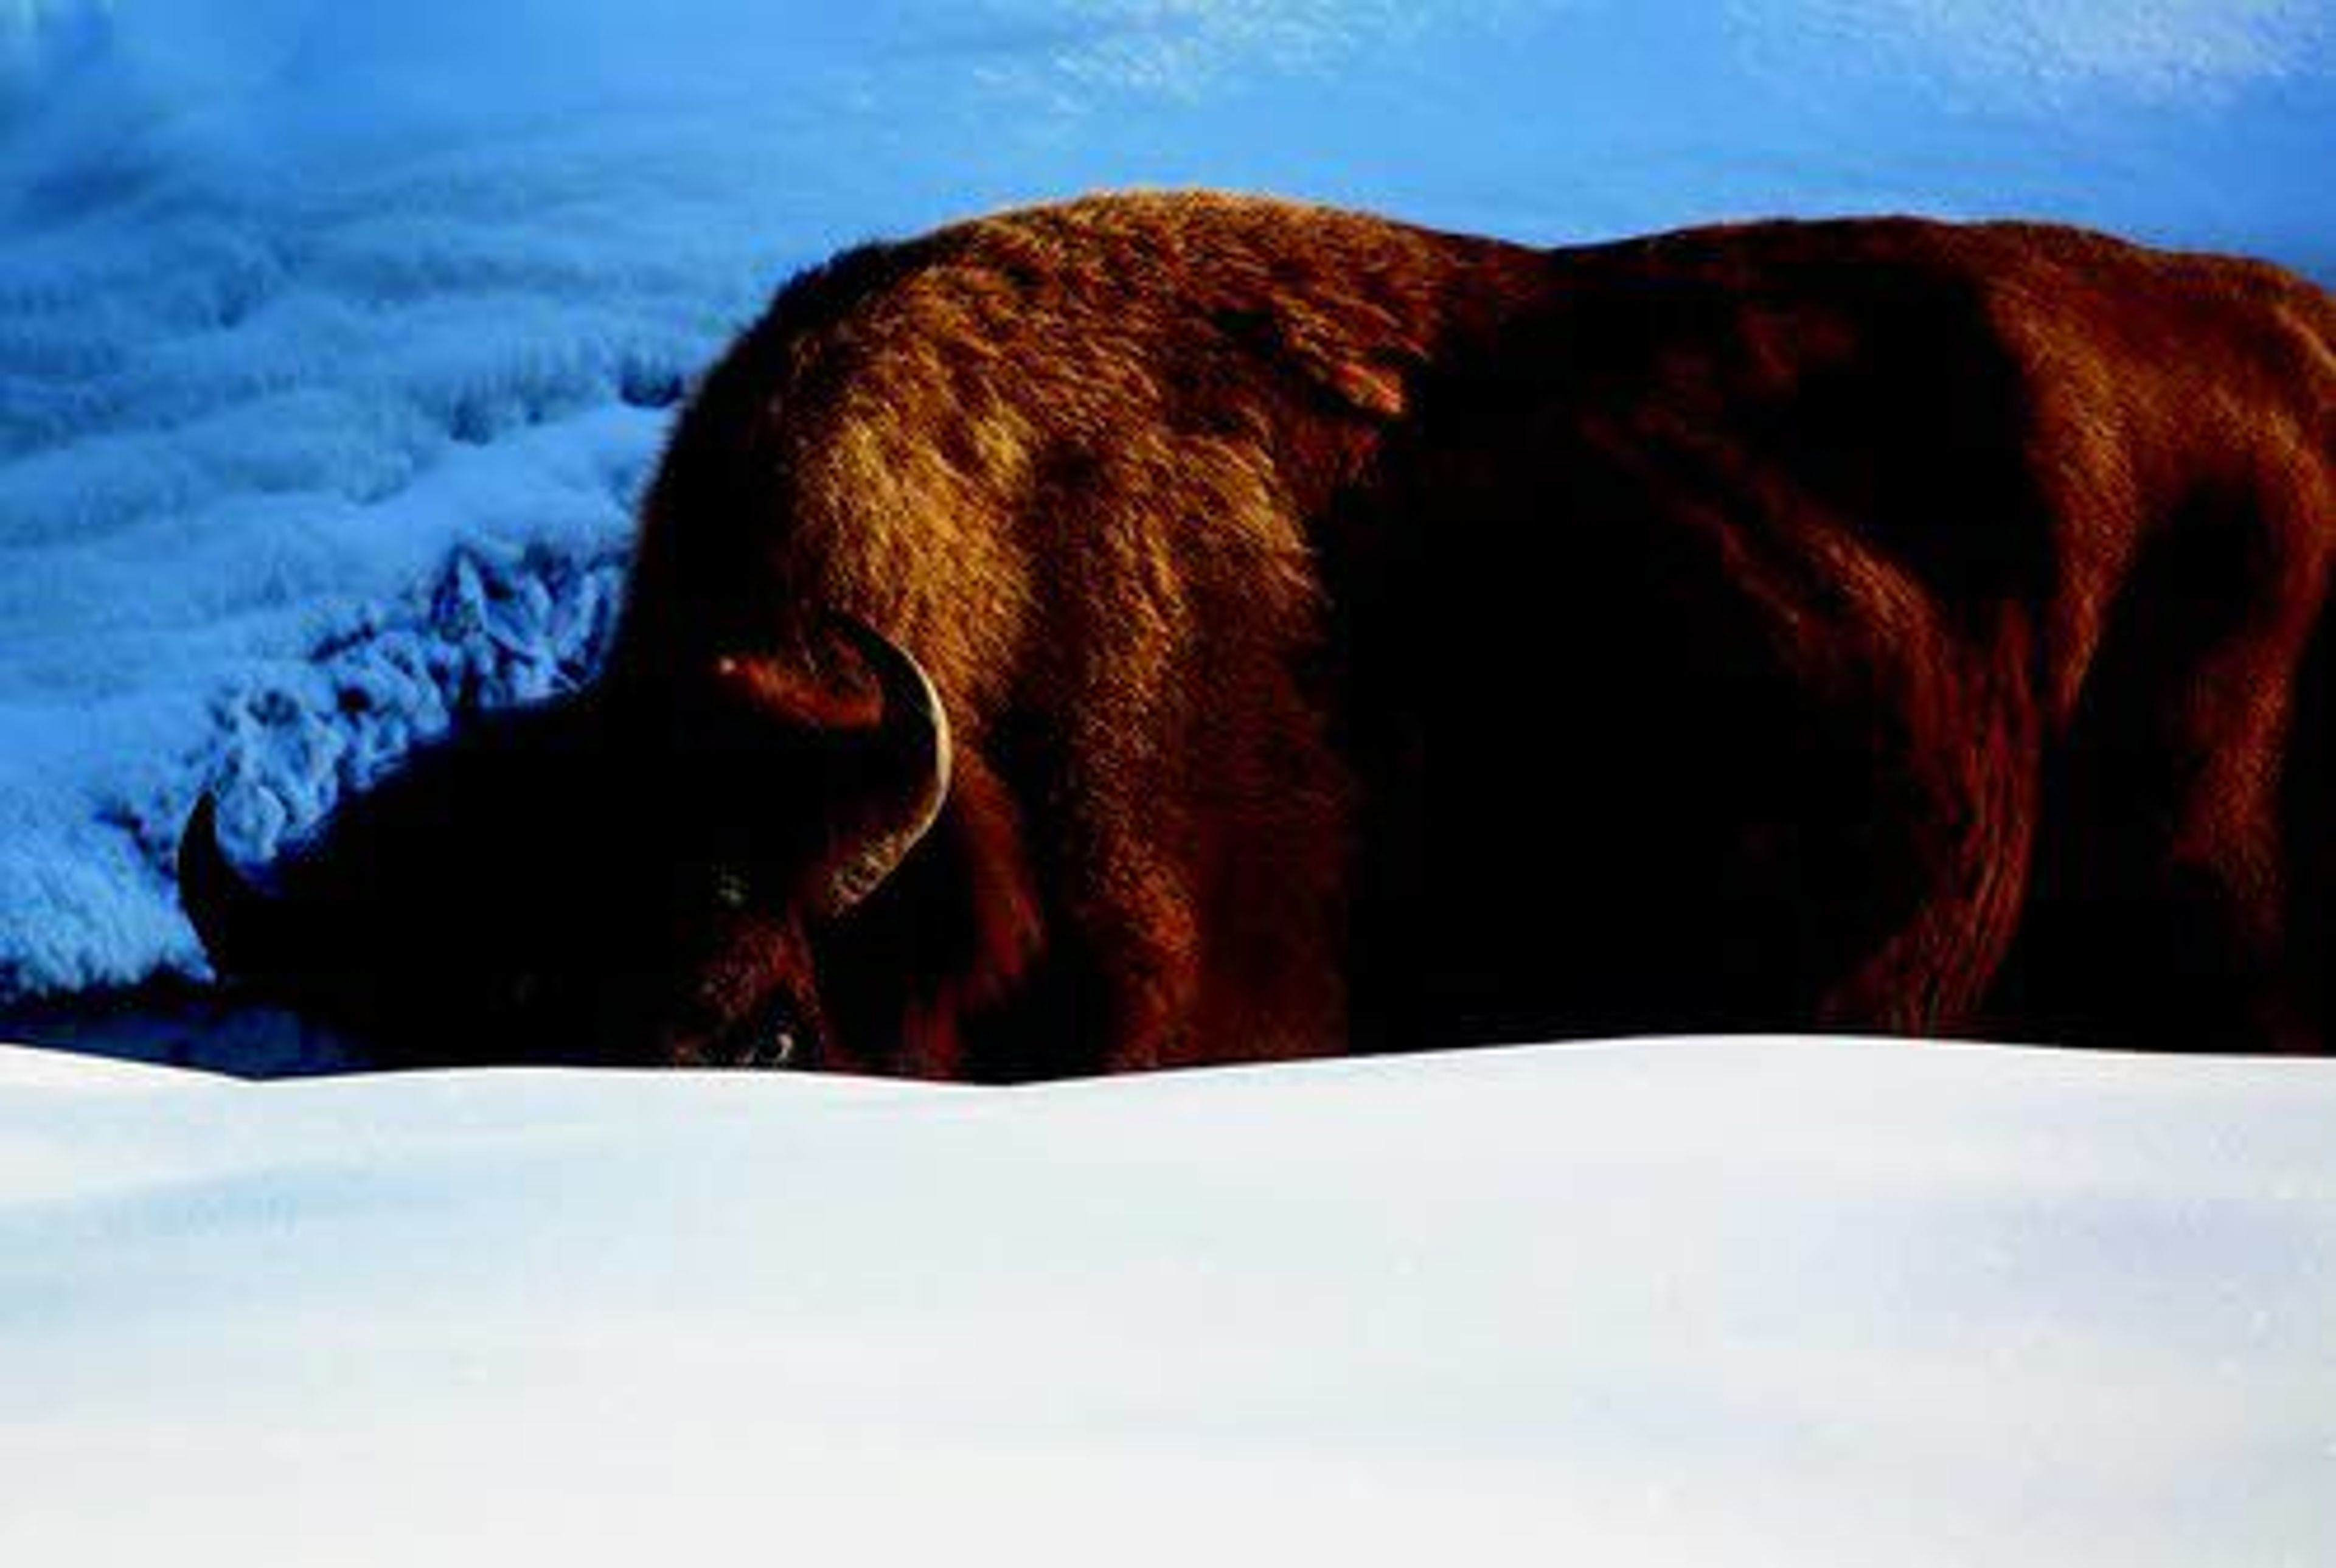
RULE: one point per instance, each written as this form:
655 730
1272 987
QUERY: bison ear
882 756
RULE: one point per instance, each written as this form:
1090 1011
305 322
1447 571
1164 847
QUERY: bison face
628 877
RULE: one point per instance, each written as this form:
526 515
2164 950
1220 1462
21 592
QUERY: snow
335 340
1742 1301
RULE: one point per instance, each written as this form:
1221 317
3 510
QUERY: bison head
640 873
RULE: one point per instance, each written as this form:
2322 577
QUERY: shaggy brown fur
1355 636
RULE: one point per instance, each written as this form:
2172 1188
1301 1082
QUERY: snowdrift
1738 1301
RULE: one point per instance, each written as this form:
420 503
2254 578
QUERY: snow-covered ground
1717 1302
336 339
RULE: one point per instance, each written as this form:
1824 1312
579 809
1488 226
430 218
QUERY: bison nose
768 1038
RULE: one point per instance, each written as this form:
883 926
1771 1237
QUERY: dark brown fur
1359 637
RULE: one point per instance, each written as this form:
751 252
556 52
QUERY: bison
1180 628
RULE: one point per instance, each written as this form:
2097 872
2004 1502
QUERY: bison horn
914 739
237 920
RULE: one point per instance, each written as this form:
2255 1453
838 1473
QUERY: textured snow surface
320 321
1719 1303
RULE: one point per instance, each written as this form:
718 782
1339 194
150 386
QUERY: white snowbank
1733 1303
299 297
